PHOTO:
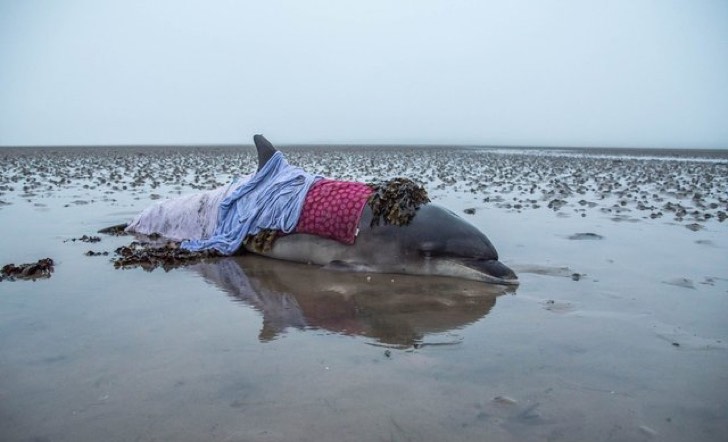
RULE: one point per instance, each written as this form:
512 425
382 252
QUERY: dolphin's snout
495 268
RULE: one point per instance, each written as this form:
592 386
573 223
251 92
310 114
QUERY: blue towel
272 199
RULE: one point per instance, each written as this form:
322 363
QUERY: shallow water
618 338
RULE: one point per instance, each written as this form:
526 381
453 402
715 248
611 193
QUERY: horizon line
355 144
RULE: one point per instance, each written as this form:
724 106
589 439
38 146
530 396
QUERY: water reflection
396 310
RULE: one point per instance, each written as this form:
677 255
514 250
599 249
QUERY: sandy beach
617 330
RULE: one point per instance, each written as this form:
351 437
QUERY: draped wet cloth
191 216
271 199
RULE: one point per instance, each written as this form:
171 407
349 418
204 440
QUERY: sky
612 73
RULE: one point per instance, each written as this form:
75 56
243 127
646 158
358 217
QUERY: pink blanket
332 209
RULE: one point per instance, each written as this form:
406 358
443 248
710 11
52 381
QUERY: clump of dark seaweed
93 253
85 238
263 240
150 255
396 201
117 230
40 269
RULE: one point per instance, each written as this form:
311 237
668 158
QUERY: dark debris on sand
93 253
152 255
117 230
85 238
31 271
585 236
677 187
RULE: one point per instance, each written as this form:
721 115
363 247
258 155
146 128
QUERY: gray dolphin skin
435 242
265 149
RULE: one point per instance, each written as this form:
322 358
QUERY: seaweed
117 230
150 255
263 240
31 271
396 201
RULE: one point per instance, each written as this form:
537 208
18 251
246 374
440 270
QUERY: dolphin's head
486 270
451 246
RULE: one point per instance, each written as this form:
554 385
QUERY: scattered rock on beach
504 400
704 242
694 227
681 282
590 204
92 253
686 190
555 306
556 204
587 236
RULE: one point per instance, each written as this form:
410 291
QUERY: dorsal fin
265 150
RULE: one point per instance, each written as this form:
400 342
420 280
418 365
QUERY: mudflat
617 330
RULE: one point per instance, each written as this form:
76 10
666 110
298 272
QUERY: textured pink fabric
332 209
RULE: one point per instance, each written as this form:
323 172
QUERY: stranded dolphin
435 241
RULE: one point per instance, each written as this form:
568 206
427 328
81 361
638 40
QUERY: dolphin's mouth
494 271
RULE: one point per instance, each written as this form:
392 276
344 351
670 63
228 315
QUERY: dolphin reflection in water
393 310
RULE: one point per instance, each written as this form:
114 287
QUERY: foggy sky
632 73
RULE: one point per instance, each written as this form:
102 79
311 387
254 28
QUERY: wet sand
616 332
